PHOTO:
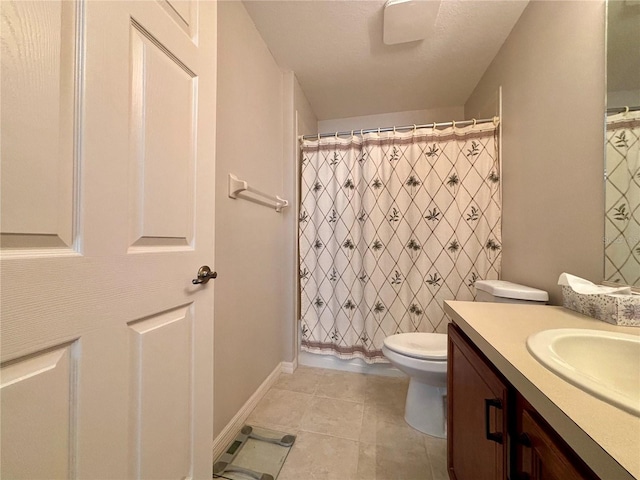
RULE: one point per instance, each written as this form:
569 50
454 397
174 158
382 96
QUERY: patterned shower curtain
622 210
390 226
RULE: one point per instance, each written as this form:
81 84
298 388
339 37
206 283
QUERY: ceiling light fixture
409 20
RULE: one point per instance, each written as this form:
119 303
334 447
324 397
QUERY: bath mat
255 454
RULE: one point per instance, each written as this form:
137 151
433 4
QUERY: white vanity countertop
605 437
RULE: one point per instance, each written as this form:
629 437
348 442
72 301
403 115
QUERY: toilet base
425 408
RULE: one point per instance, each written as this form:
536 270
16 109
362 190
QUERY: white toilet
423 356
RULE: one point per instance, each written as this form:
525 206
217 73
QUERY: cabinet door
541 454
477 414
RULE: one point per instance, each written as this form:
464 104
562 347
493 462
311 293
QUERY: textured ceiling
335 49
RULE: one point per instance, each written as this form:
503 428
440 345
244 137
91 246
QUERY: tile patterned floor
349 426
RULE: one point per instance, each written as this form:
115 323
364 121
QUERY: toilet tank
500 291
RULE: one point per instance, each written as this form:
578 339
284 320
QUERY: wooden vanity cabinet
477 413
540 454
493 433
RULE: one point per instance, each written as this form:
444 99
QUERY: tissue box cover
612 308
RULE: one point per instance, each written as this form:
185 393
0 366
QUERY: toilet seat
427 346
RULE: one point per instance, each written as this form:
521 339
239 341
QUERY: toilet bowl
423 356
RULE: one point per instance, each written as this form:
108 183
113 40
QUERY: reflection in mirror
622 148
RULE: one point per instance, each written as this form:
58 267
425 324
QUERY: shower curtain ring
453 122
318 137
474 122
414 128
626 110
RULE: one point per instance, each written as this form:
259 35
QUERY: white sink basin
605 364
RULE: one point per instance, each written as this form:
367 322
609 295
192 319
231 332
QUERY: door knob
204 275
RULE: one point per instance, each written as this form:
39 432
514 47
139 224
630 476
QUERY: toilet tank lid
504 289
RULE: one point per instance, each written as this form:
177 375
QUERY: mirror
622 144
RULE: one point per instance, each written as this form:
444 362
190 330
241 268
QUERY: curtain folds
390 226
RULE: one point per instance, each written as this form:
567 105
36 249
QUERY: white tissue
585 287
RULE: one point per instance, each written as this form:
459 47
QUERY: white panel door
107 175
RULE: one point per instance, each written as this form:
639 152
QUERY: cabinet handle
488 403
524 440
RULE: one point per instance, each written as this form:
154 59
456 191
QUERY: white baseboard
229 432
289 367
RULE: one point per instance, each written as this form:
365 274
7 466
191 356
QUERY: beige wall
382 120
250 299
307 120
551 69
299 120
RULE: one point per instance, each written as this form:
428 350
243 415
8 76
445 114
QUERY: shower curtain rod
461 123
622 109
